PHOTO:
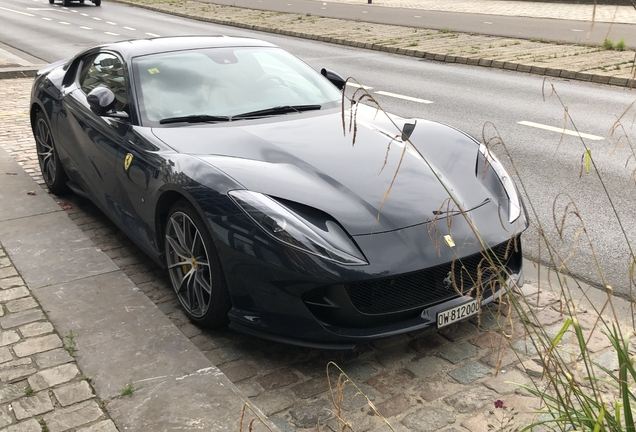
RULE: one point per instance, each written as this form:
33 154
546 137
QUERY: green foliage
608 43
621 46
128 389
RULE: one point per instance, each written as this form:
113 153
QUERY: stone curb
21 72
447 58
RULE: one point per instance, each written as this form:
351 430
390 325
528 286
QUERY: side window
104 70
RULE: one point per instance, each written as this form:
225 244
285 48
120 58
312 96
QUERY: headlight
318 236
514 209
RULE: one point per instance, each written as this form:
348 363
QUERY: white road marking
152 34
130 28
98 19
18 12
47 19
112 34
72 10
576 30
417 16
487 22
83 14
352 84
408 98
561 130
365 12
111 23
64 23
86 28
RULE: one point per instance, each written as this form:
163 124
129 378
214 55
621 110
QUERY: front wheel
194 267
66 3
97 2
50 164
51 1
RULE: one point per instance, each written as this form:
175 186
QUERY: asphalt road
474 99
508 26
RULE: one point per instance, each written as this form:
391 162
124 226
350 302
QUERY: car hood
307 158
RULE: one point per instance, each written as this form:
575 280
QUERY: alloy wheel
46 151
188 264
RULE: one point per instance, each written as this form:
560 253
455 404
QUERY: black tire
51 1
97 2
194 267
66 2
81 1
50 165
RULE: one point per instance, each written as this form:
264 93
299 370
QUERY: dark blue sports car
225 160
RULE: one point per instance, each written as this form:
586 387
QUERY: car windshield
227 82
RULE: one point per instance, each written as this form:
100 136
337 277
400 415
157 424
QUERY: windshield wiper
285 109
196 118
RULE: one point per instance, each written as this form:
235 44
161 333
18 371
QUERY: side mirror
102 102
335 79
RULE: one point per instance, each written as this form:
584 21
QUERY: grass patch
608 44
621 45
69 343
128 389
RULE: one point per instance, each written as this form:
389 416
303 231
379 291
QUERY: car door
91 140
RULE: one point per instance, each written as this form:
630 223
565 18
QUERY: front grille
425 287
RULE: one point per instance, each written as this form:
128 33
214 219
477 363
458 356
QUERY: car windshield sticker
127 161
447 238
153 71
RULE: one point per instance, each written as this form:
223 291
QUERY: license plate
458 313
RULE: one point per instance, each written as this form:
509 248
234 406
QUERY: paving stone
457 352
503 382
7 272
20 318
395 358
36 329
437 387
469 373
361 371
102 426
5 417
5 355
279 378
531 367
477 423
31 425
64 419
8 337
306 416
428 343
354 397
545 317
12 371
459 331
597 342
13 293
239 370
37 345
282 425
524 347
272 403
54 376
500 358
312 387
471 399
11 282
249 389
52 358
542 300
427 366
10 392
391 382
394 405
608 360
391 341
429 420
72 393
33 405
22 304
489 340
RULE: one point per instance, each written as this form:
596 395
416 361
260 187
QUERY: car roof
139 47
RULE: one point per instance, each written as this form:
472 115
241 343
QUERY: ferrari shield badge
127 161
448 239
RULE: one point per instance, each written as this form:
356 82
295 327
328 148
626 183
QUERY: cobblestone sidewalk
41 388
